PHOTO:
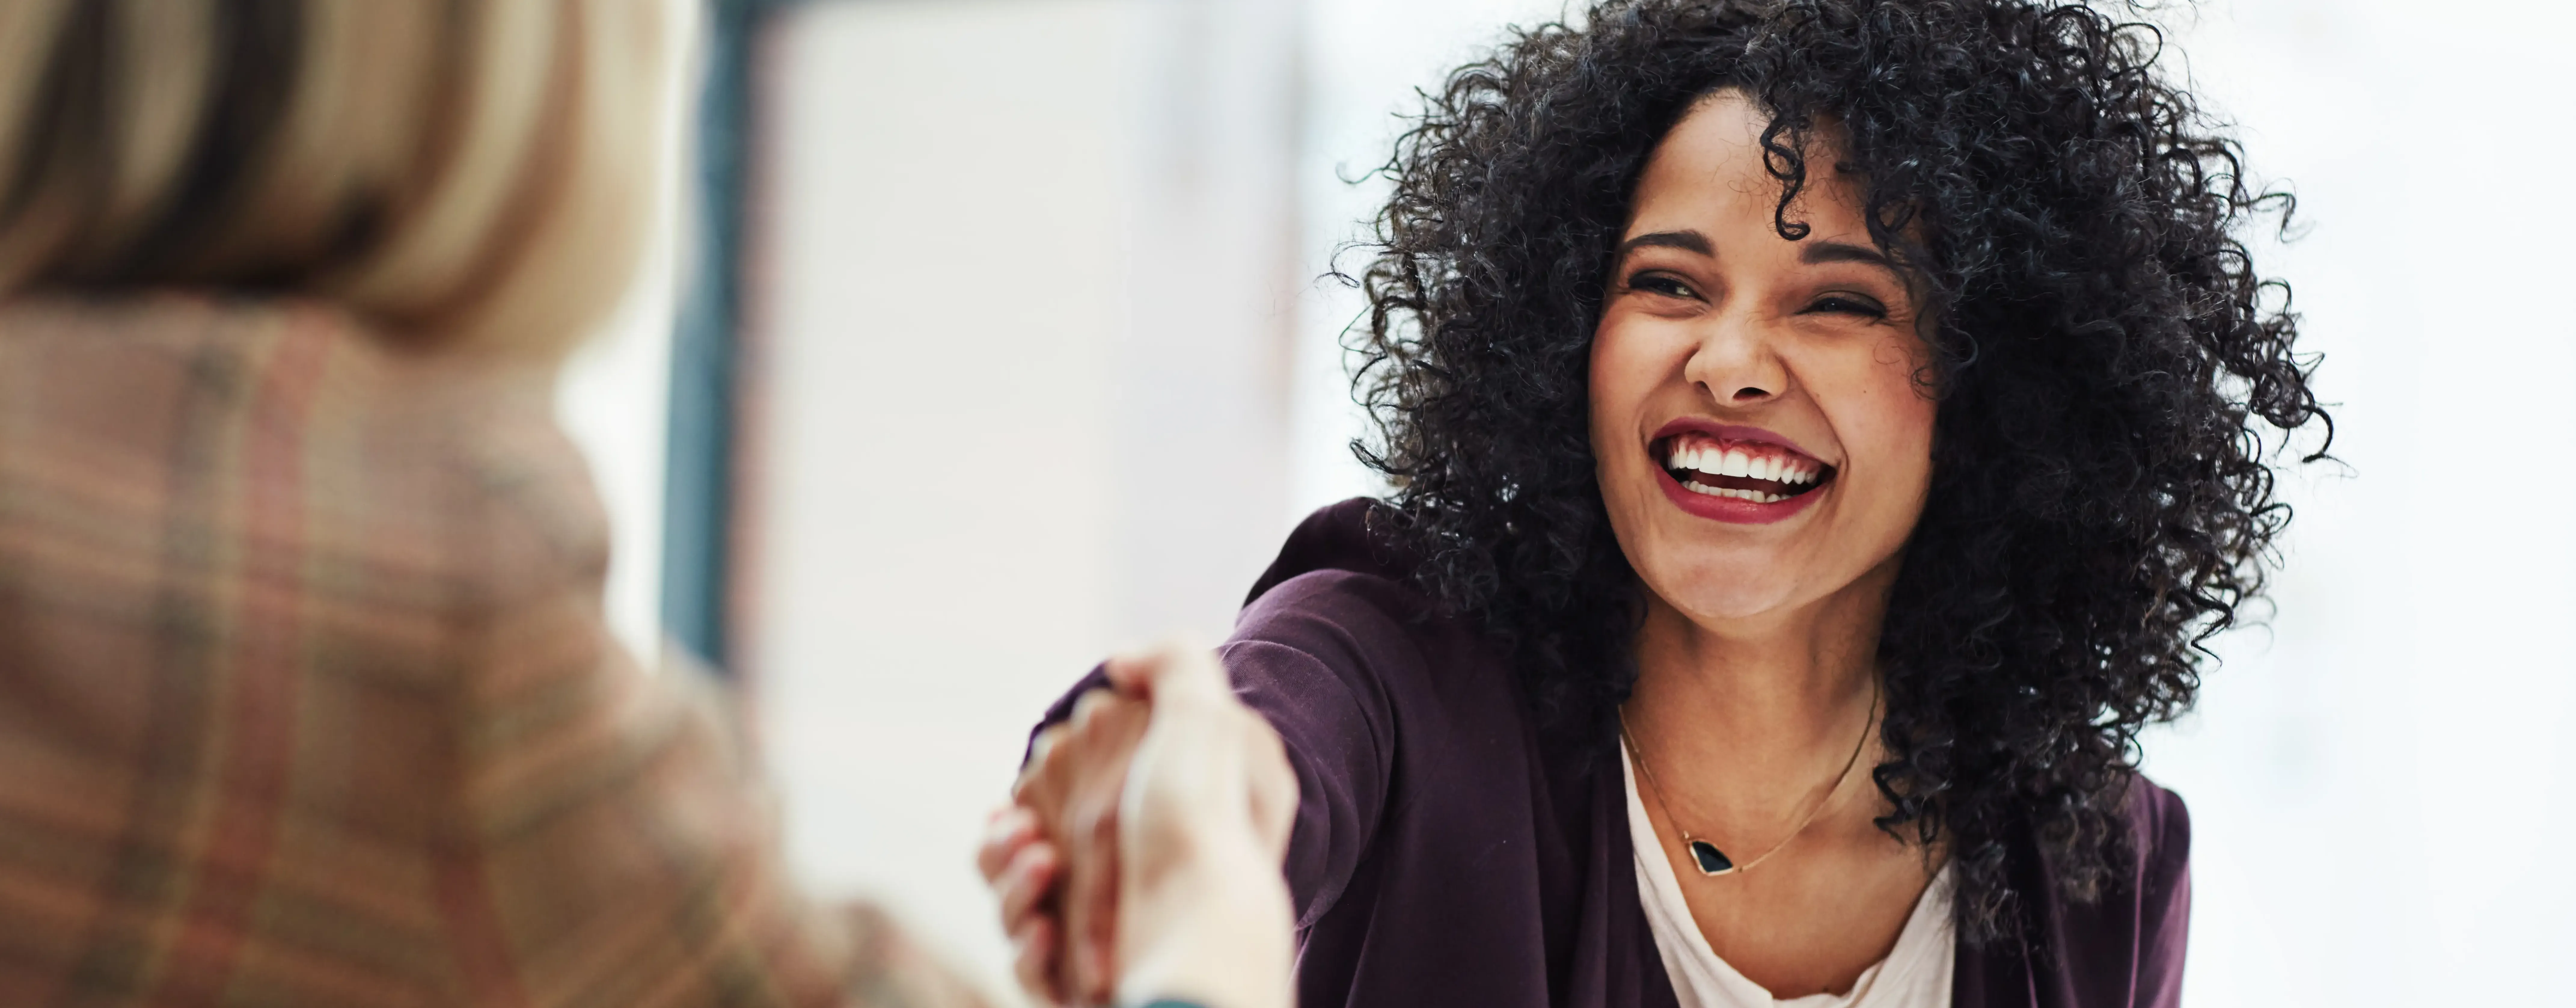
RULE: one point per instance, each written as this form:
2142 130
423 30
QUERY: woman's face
1761 438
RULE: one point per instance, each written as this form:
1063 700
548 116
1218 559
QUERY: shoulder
530 517
2161 890
461 458
2160 824
1339 593
1338 563
1338 624
1334 610
2124 944
1349 537
418 477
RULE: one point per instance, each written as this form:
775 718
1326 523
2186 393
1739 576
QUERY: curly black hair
2108 367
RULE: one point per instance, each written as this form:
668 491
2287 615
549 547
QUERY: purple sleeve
1313 656
1331 736
2164 897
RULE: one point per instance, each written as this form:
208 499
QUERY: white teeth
1731 493
1715 459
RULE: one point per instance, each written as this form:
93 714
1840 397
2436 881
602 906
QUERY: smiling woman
1773 389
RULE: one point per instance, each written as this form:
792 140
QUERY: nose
1736 363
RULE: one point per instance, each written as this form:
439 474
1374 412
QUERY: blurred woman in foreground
305 694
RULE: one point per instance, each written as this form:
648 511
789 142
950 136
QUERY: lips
1737 474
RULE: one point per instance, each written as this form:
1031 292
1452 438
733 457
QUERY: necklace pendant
1712 862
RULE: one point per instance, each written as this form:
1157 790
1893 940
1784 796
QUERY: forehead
1709 174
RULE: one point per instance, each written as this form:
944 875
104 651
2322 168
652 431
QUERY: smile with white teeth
1753 471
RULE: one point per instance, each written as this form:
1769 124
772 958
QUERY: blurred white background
1043 369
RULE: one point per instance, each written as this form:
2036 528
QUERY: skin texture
1068 884
1140 857
1207 808
1756 659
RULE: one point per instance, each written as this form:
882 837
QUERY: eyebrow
1832 252
1812 253
1687 241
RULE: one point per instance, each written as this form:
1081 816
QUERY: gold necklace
1711 861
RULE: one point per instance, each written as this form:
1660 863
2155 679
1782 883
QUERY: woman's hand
1052 856
1142 858
1202 910
1022 867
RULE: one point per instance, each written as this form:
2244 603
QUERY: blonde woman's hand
1209 801
1141 857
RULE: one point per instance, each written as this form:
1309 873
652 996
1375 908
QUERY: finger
1088 709
1104 948
1026 884
1091 887
1100 949
1133 672
1009 829
1033 960
1172 672
1039 748
1091 909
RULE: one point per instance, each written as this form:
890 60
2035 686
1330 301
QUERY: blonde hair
451 171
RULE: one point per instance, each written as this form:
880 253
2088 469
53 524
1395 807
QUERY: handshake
1139 859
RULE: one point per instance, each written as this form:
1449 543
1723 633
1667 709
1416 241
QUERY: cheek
1884 418
1622 375
1896 413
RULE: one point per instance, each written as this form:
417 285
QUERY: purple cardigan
1448 853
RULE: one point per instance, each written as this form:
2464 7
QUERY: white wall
1019 300
1364 60
614 400
614 396
2381 784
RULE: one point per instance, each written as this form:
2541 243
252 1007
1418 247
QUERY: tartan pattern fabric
306 696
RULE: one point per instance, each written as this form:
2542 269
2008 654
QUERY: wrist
1213 931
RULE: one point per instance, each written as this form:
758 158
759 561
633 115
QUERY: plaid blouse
306 697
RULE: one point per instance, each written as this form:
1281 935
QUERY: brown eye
1660 283
1849 304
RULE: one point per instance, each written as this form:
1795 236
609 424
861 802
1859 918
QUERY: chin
1736 588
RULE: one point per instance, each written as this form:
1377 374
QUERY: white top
1915 974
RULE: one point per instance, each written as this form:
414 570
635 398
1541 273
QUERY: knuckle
1088 710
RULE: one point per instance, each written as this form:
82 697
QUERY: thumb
1174 672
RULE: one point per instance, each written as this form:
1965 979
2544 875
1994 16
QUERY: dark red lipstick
1735 474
